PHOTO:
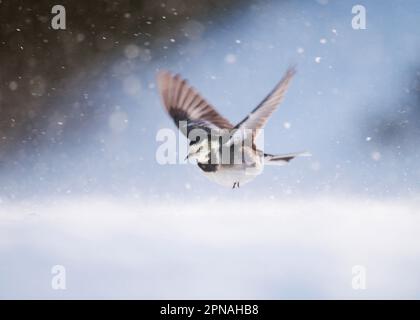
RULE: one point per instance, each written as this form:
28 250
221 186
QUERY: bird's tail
282 159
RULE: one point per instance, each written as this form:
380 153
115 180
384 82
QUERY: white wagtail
225 153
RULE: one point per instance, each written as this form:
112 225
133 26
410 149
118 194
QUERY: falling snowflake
376 156
230 58
315 166
118 121
13 85
131 51
132 85
80 37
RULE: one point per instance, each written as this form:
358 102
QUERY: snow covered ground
290 248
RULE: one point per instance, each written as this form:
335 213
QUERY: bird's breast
227 175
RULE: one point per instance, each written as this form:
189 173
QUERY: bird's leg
234 185
238 184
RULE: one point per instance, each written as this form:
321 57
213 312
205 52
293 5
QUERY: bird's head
199 151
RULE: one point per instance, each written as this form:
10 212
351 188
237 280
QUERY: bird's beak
186 158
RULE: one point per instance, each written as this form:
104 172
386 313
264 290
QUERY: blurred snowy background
81 186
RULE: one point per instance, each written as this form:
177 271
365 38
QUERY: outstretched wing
186 107
259 116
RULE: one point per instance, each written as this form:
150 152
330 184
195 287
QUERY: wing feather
260 115
184 103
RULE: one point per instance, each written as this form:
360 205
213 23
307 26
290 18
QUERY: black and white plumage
225 153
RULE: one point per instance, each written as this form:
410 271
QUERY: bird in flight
225 153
